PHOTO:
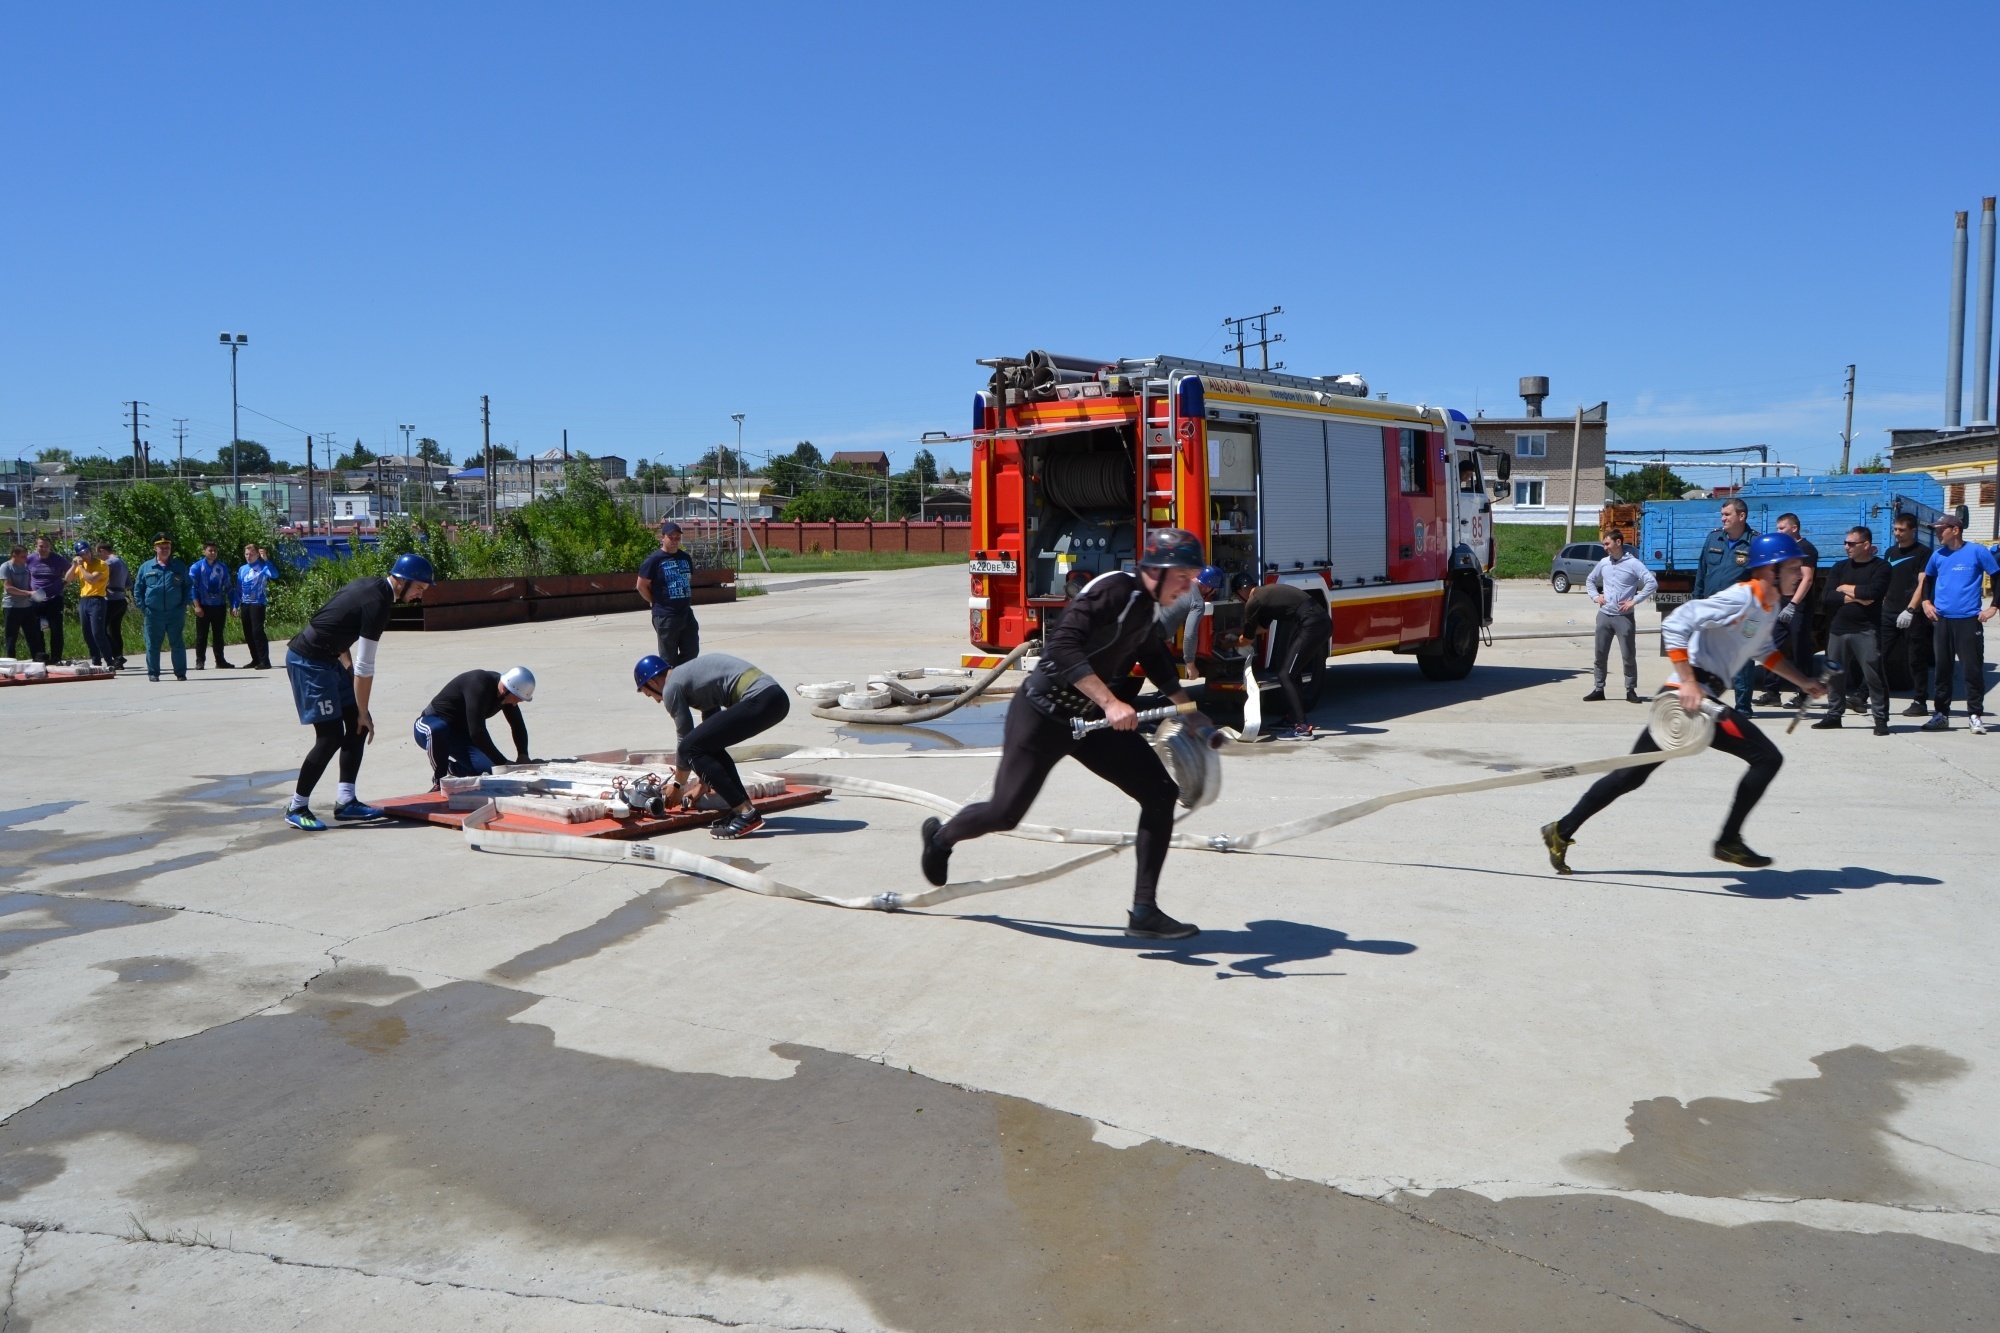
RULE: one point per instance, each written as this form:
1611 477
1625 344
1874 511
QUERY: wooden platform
105 674
431 808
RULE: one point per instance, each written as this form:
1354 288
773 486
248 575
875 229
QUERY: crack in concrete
472 907
14 1278
1974 1161
198 1242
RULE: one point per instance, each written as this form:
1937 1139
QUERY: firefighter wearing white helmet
1708 642
452 729
1085 672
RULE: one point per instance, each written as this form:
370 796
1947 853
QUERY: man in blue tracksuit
253 583
1949 593
162 590
1725 561
214 596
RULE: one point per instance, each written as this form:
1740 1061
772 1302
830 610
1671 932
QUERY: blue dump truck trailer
1671 531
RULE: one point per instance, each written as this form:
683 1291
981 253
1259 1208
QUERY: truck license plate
995 567
1671 598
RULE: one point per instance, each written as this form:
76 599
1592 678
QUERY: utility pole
737 417
180 446
1262 342
133 415
1575 456
309 485
1847 435
486 433
565 448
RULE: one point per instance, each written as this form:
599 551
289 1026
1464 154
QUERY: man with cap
1085 672
90 575
1949 593
666 581
162 590
1708 643
331 663
452 730
214 598
736 701
117 596
1308 635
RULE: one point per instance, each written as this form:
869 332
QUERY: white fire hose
1677 733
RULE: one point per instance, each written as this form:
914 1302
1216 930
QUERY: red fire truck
1381 508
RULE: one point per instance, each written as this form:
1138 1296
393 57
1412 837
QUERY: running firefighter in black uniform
1085 672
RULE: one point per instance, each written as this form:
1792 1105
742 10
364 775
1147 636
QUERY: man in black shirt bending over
1308 636
331 663
1085 672
452 730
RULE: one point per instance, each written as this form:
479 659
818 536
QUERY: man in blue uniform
331 663
666 581
214 596
1725 561
253 593
162 590
1949 593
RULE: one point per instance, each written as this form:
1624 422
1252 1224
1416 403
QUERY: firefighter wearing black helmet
1085 672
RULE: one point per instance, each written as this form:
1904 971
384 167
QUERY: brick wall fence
775 534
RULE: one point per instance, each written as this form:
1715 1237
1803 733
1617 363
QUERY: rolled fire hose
1678 734
897 717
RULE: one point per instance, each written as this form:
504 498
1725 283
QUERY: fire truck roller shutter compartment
1358 510
1292 451
1083 523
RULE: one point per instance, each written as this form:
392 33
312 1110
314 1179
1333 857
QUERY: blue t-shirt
672 577
1953 579
253 580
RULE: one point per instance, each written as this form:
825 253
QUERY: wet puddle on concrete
972 727
217 802
948 1209
47 917
623 922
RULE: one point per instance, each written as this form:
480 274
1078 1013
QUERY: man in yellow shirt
91 574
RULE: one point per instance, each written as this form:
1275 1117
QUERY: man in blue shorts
331 663
1948 591
666 581
452 729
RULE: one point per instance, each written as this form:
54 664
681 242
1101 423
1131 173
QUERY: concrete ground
253 1079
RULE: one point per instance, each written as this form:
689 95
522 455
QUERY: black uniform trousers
210 620
1306 645
1907 657
114 627
1034 744
1734 734
678 633
1960 641
706 748
253 635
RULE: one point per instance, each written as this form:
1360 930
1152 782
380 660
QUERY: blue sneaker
351 811
305 821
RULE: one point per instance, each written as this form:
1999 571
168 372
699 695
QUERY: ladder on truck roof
1159 447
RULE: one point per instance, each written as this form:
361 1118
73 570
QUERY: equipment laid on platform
1378 508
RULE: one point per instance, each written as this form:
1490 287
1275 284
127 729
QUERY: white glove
1788 613
41 596
1903 621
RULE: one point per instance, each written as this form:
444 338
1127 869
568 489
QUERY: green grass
1524 550
787 563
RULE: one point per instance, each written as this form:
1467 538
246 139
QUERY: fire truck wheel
1451 655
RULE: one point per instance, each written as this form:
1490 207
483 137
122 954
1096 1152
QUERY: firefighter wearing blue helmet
331 664
1184 617
1709 642
736 701
1085 672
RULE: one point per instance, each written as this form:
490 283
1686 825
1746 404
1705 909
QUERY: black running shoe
1768 699
738 825
1558 845
1738 853
1827 723
1881 728
936 859
1150 923
1917 709
1594 697
1634 697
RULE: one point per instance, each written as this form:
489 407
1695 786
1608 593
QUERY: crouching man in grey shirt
1619 583
736 701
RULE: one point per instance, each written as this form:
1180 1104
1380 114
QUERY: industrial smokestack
1954 341
1982 320
1534 388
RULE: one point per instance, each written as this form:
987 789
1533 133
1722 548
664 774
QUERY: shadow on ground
1261 946
1799 885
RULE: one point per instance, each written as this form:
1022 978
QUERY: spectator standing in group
1795 618
117 596
214 597
253 592
1906 635
91 574
163 591
1855 589
1618 584
48 571
1949 592
666 581
1725 561
24 620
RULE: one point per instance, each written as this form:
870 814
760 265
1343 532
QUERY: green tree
720 461
62 456
1651 482
1873 464
797 472
130 516
430 450
923 468
502 454
359 456
256 458
827 504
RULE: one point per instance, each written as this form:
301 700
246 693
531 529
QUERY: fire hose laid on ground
1679 734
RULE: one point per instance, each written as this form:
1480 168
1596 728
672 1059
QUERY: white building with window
1539 448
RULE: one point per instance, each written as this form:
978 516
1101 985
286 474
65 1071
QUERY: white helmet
519 682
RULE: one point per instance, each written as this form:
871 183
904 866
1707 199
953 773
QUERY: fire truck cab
1379 508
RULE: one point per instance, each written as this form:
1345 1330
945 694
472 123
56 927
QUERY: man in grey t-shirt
736 701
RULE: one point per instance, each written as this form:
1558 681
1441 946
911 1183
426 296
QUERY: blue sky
632 221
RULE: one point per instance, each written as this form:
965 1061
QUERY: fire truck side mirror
1504 466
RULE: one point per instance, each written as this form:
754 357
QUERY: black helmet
1240 584
1171 548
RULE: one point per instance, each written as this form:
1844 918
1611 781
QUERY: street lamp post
406 463
737 417
234 341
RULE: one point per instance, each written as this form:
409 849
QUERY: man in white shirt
1619 583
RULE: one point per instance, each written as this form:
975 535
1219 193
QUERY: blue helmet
647 667
81 548
413 567
1772 548
1212 579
